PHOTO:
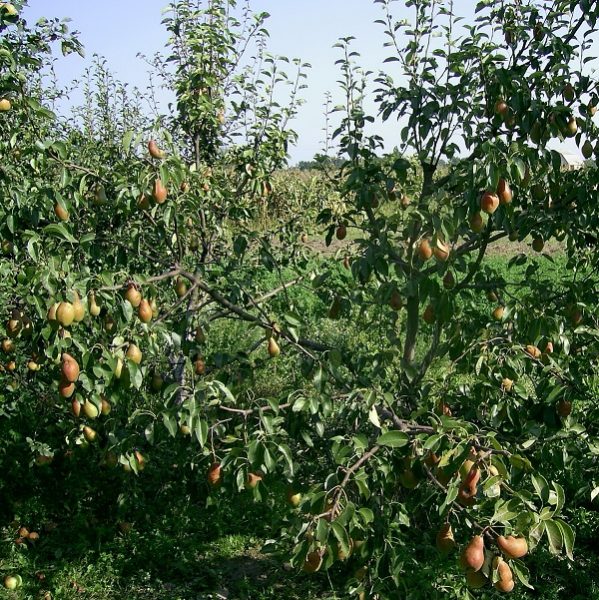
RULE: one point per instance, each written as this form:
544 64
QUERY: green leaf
170 423
568 536
522 573
393 439
554 536
342 536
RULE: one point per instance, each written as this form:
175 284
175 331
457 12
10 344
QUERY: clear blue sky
306 29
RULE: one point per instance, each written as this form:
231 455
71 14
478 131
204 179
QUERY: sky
305 29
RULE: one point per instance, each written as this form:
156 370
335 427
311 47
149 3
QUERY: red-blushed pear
273 348
214 475
144 311
61 212
506 578
468 488
253 479
473 555
66 389
140 460
154 150
475 580
341 232
533 351
69 368
76 408
89 434
549 347
501 107
489 202
105 407
65 314
445 541
159 192
424 250
133 295
134 354
512 547
441 250
504 192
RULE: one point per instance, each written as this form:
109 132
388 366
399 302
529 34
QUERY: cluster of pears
66 313
481 568
24 535
490 202
438 248
146 309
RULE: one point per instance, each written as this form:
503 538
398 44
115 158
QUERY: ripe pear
448 280
214 474
8 346
140 459
180 287
33 366
154 307
513 547
144 311
106 407
199 366
533 351
94 309
395 301
78 308
424 250
154 150
506 578
498 313
273 348
5 105
65 388
159 192
489 202
69 368
591 109
507 384
504 192
133 295
14 325
61 212
65 314
253 479
445 540
134 354
571 127
501 107
473 555
564 408
11 582
89 434
441 250
76 407
341 232
468 488
90 409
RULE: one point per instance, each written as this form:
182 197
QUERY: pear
449 281
100 196
8 346
157 382
293 497
69 368
154 150
89 434
489 202
273 348
90 409
513 547
587 150
313 562
564 408
61 212
76 407
498 313
133 295
199 366
441 250
341 232
473 555
11 582
533 351
477 223
253 479
424 250
5 105
94 309
180 287
395 301
106 407
134 354
65 314
78 308
214 474
507 384
538 244
159 192
445 540
429 314
506 578
504 192
66 389
144 311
